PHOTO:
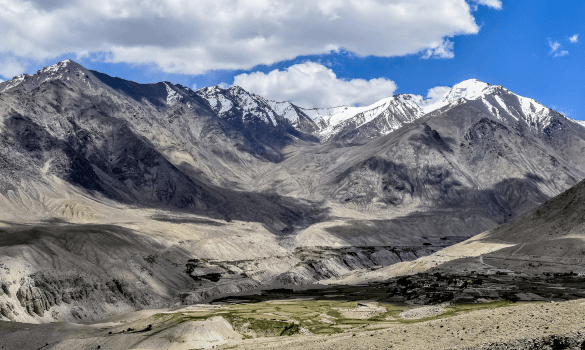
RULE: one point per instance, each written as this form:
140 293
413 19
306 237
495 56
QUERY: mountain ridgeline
120 196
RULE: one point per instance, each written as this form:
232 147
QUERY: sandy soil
422 312
503 325
363 311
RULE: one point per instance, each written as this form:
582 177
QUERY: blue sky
500 42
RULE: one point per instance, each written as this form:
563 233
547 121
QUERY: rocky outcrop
210 291
36 300
43 291
8 310
5 288
319 263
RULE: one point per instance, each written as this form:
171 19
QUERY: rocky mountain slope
549 239
117 195
543 244
155 145
458 171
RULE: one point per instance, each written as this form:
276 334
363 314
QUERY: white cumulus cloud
437 93
10 67
191 37
434 98
497 4
554 49
312 85
574 38
554 46
444 50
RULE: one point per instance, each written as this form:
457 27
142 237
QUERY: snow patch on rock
172 96
15 82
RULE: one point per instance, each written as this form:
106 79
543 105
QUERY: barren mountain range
119 196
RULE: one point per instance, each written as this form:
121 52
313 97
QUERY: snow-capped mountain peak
358 123
470 89
64 70
379 118
59 66
235 101
504 105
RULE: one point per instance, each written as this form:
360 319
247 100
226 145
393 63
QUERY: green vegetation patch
325 330
262 327
284 318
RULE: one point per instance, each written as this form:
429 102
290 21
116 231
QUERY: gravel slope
522 327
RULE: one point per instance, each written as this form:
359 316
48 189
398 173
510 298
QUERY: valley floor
281 319
528 326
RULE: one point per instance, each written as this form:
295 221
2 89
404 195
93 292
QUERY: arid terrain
152 216
322 323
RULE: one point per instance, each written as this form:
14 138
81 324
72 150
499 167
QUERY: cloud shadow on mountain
482 210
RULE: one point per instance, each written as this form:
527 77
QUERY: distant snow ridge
379 118
384 116
325 122
392 112
237 101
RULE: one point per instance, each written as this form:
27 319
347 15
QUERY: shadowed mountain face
114 138
159 194
549 239
460 159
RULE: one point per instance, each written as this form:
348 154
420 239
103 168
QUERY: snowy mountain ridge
493 97
377 119
387 114
62 70
253 107
332 119
394 111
